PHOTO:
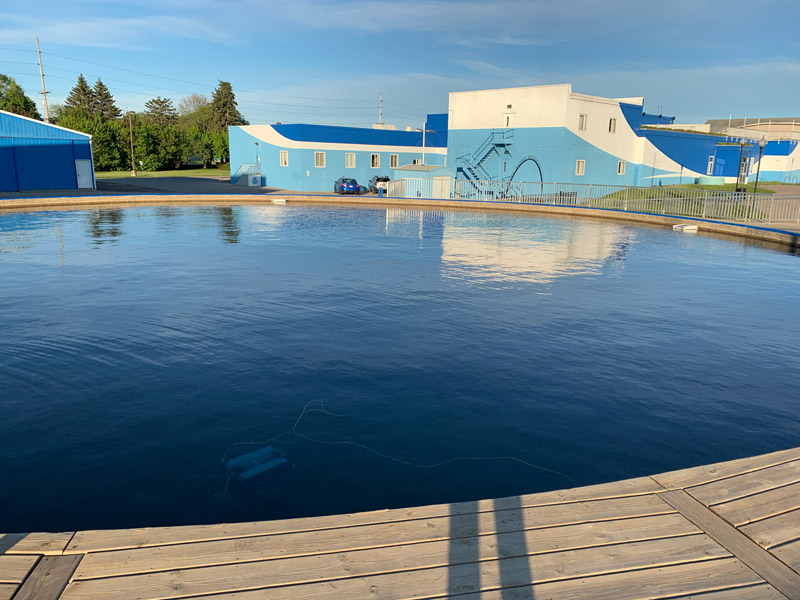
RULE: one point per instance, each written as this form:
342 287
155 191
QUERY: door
83 172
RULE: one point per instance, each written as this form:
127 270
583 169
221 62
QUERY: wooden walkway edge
716 532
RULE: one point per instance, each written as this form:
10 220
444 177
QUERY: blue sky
324 61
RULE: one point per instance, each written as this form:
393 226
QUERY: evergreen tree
161 110
81 98
104 106
225 108
13 99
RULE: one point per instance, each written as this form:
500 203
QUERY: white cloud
105 31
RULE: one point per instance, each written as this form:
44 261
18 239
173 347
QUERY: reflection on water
502 248
229 226
105 225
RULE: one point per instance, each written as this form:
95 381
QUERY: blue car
346 185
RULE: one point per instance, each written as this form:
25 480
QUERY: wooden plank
93 541
747 484
13 569
789 553
775 530
49 578
7 590
516 568
600 530
754 556
708 473
444 582
759 591
760 506
35 543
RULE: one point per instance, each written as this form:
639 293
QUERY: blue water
141 345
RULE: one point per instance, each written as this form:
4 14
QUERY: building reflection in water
500 247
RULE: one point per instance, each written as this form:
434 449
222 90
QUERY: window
612 126
580 167
582 118
319 160
375 161
349 160
284 158
416 161
394 161
621 167
710 169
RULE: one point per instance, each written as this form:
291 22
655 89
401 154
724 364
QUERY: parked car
346 185
379 181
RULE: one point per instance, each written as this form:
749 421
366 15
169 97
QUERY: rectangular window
582 118
349 160
284 158
375 161
394 161
710 169
612 126
580 167
416 161
621 167
319 160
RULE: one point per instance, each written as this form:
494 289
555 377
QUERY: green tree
81 98
104 105
161 110
14 100
225 108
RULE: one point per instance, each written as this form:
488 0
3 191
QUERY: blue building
39 156
532 134
312 157
552 134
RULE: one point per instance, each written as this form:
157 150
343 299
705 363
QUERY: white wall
542 106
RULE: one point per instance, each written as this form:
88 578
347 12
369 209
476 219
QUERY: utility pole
44 91
133 162
380 107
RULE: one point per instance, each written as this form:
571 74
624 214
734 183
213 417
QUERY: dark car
379 182
346 185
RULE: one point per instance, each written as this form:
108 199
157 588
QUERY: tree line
164 136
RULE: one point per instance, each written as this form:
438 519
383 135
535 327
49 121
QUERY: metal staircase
472 164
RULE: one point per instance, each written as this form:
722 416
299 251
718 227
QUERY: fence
684 202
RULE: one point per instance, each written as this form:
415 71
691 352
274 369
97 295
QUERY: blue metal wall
39 156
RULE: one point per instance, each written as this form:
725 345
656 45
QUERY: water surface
142 346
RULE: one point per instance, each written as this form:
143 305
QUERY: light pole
130 124
761 145
739 187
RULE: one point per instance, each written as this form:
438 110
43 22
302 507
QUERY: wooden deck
719 532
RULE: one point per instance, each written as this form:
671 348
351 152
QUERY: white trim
4 112
268 135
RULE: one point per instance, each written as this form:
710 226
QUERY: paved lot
149 185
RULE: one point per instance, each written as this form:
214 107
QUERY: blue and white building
534 134
40 156
312 157
552 134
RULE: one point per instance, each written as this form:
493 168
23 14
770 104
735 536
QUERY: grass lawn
218 171
763 187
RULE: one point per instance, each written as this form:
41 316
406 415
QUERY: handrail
685 202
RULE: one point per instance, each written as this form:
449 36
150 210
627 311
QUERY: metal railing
684 202
245 170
